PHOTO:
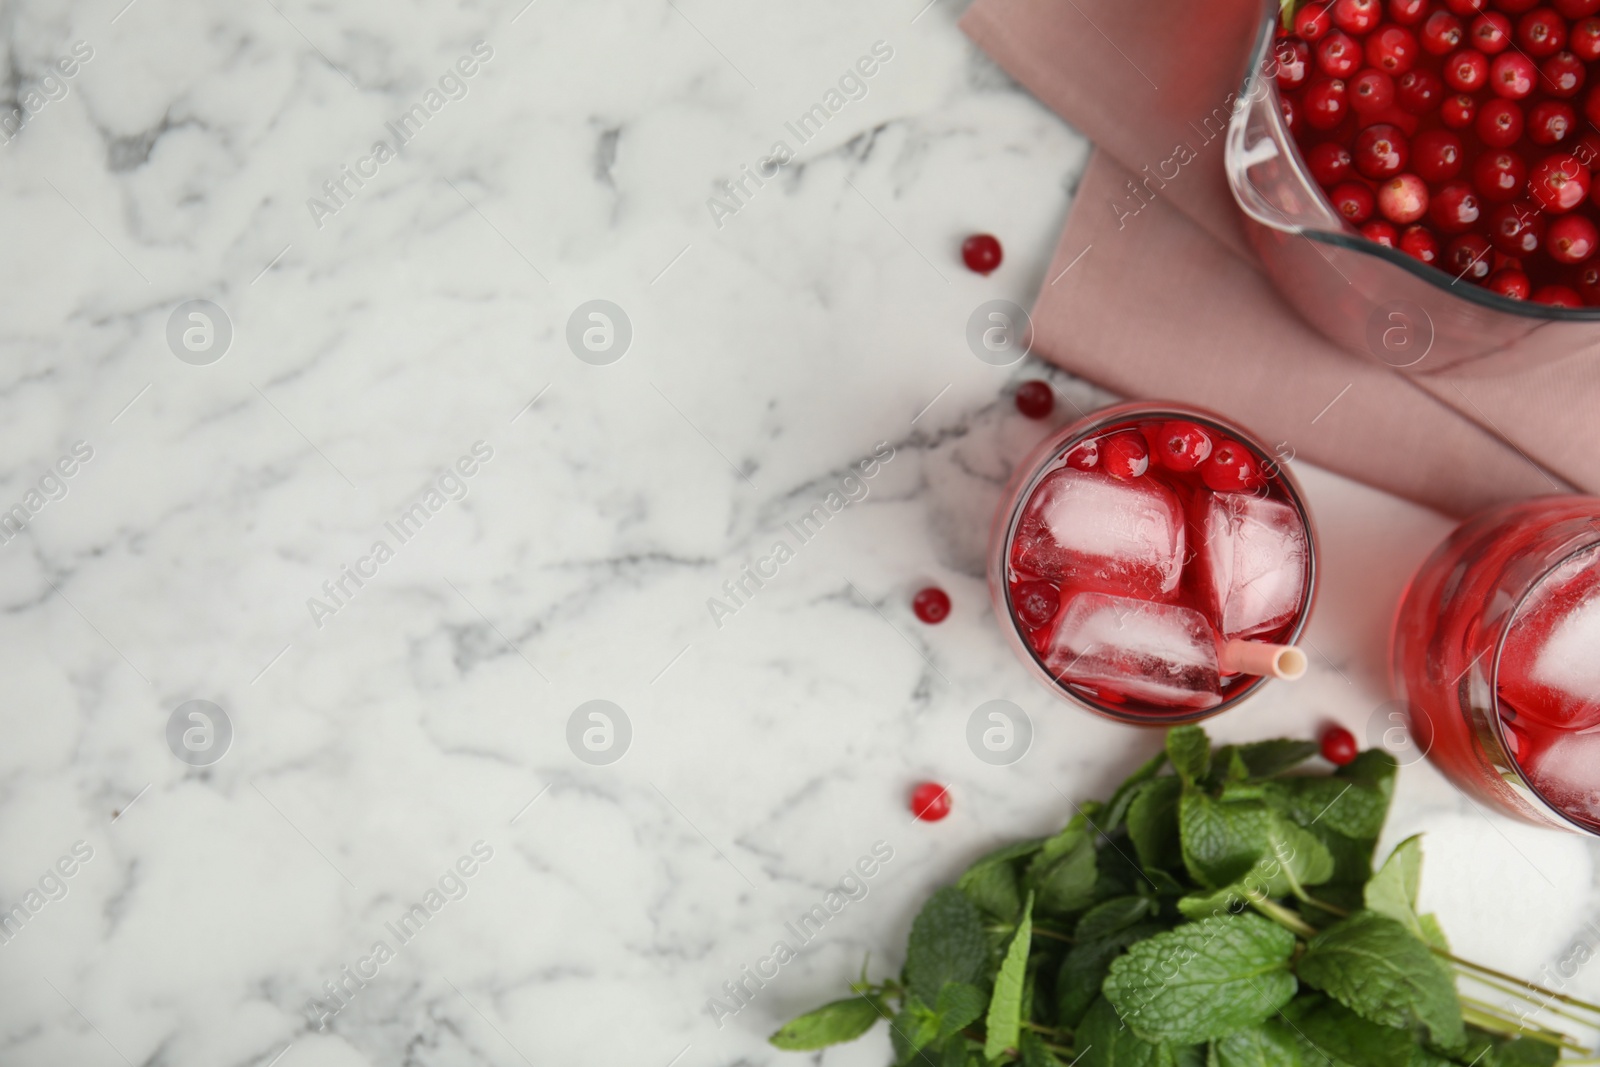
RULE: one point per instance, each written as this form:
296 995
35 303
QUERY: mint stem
1283 917
1532 987
1495 1023
1521 994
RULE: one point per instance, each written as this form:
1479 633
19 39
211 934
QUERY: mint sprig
1217 911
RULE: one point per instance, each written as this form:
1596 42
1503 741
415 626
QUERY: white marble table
389 317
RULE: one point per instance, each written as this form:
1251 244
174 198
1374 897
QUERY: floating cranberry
931 605
1457 112
1586 280
1542 33
1558 183
1441 34
1585 40
930 801
1357 16
1466 70
1036 602
1326 103
1557 296
1517 228
981 253
1353 200
1329 163
1418 91
1035 399
1563 75
1498 176
1403 199
1312 22
1454 207
1231 468
1085 456
1420 244
1437 155
1466 7
1180 445
1371 91
1490 33
1338 746
1294 64
1499 123
1571 239
1381 232
1338 55
1467 257
1567 9
1125 455
1550 122
1510 282
1512 75
1381 151
1392 50
1411 12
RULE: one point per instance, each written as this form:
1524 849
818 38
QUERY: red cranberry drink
1497 658
1140 550
1462 132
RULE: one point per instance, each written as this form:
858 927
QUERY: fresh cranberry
1587 151
1457 112
931 605
1498 175
1354 201
1542 33
1466 70
1512 75
1035 399
1510 282
1380 232
1403 199
1035 603
1085 456
1418 91
1441 34
1371 91
1231 468
1453 208
1290 113
1312 22
1437 155
1381 151
1563 74
1517 228
1505 262
1357 17
1571 239
1586 280
1490 33
1466 7
1294 64
1338 746
1550 122
1125 455
930 801
1557 296
1180 445
1467 257
1558 182
1584 40
1420 244
981 253
1567 9
1410 12
1499 123
1338 55
1326 103
1392 50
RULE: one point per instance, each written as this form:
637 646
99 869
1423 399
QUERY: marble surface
400 718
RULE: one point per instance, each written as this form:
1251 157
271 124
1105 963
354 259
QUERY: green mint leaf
1153 824
1222 840
1267 759
1433 933
1204 979
1116 809
1063 872
913 1029
1004 1020
956 1054
960 1005
831 1024
1393 890
947 944
1189 749
1270 1044
1334 1035
1034 1052
1103 1041
1111 917
991 883
1383 972
1524 1052
1086 964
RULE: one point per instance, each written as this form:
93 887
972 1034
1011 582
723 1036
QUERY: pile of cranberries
1462 132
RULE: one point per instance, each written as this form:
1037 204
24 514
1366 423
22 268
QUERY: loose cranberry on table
1036 399
1338 746
981 253
931 605
1464 133
930 801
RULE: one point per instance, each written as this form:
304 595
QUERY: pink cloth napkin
1159 295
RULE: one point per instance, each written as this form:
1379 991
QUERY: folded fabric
1154 291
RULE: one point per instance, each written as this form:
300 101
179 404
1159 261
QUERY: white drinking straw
1263 658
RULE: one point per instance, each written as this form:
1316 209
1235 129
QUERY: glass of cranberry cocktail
1496 655
1139 553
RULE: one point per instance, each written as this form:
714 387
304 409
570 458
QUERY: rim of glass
1068 437
1524 782
1474 294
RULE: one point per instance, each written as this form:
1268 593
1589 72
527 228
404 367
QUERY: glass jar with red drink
1152 562
1496 656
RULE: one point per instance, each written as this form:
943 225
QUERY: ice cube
1157 653
1567 772
1550 666
1090 531
1252 561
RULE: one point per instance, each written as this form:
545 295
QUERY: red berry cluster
1462 132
